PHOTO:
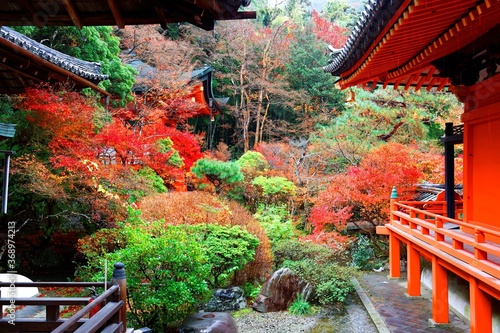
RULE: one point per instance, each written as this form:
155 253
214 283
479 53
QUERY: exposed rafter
395 43
75 18
202 13
116 14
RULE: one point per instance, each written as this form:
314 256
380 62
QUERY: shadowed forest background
281 157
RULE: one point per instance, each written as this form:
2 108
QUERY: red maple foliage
329 32
362 193
66 118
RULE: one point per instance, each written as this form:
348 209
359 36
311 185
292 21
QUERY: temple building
435 45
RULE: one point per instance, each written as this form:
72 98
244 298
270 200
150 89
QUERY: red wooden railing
472 248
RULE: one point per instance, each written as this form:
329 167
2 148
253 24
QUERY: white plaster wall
458 296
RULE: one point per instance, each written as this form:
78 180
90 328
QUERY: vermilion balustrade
473 247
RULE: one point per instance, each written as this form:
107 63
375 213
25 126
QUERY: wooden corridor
471 255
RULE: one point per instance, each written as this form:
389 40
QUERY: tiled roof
374 17
7 130
85 69
420 43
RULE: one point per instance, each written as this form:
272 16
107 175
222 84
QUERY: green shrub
154 179
252 161
276 222
300 307
167 270
296 250
330 281
274 186
217 172
251 290
228 249
362 253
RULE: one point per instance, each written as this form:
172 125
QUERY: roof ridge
85 69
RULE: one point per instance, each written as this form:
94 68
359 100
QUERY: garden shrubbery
169 268
317 265
206 208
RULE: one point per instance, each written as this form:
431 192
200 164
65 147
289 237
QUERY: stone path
403 314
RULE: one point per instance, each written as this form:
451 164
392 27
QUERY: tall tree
250 68
320 100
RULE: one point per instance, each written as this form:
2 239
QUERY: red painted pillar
413 270
394 243
394 256
480 309
440 307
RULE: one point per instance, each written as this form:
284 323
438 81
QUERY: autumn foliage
362 192
329 32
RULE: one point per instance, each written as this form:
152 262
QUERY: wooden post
394 256
480 309
440 306
392 207
394 243
120 279
449 173
413 270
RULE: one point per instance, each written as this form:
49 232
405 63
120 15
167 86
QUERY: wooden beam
73 14
161 15
116 14
32 13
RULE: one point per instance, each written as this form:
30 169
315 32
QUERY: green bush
217 172
296 250
300 307
153 178
276 222
362 253
228 249
278 187
251 290
167 270
252 161
330 281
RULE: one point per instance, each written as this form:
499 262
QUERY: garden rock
280 290
209 322
227 299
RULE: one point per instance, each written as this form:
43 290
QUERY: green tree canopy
217 172
97 44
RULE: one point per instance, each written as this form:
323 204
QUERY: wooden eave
418 34
21 68
202 13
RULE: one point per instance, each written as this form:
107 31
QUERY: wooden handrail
473 249
408 205
77 316
96 322
55 284
111 318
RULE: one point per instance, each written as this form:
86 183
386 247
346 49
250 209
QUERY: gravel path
276 322
353 320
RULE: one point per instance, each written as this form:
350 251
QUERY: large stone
227 299
209 322
280 290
